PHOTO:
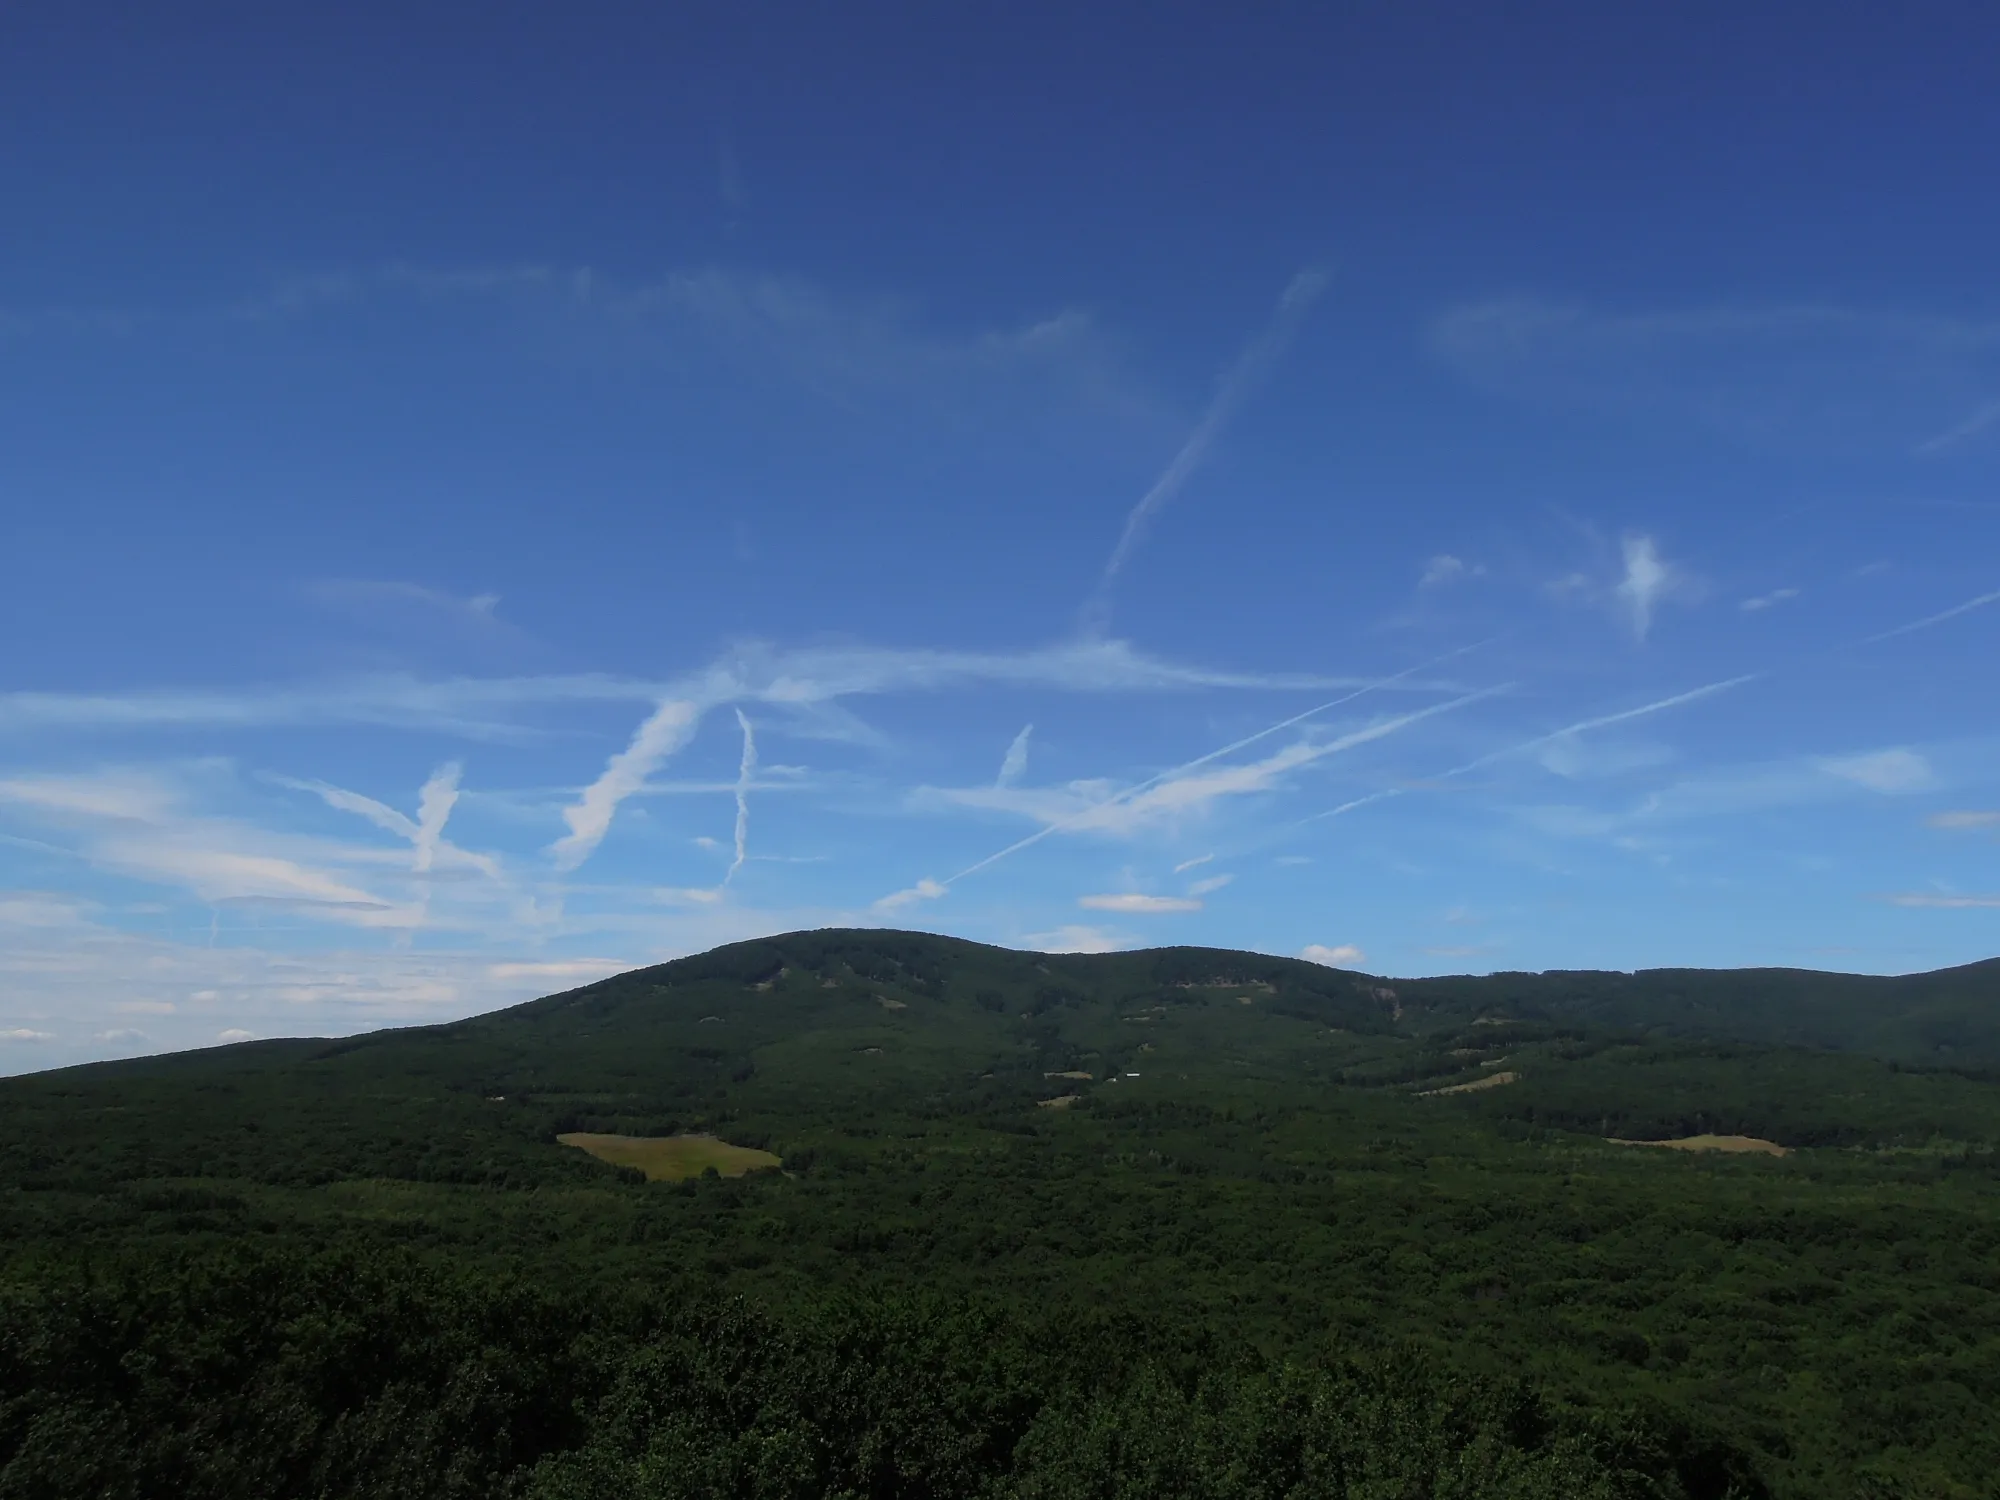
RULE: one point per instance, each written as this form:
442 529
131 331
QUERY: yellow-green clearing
671 1158
1735 1143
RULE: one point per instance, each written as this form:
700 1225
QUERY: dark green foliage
1249 1259
268 1374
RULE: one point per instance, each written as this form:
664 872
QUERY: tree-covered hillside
1179 1221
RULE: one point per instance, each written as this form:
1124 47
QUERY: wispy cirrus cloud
1768 601
482 707
1964 818
1540 742
1173 796
1943 901
923 890
1015 764
1110 810
138 825
1134 903
43 909
1893 771
425 833
758 324
1818 377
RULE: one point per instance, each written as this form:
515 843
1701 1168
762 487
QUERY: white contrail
434 805
387 818
745 769
1582 725
1937 619
1348 807
425 832
1978 422
1541 739
1373 732
667 729
1236 384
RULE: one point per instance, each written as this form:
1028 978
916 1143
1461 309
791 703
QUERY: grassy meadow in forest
672 1158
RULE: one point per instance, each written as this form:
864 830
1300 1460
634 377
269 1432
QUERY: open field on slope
1739 1144
671 1158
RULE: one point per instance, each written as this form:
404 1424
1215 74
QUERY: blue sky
490 496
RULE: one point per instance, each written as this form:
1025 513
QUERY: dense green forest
1161 1223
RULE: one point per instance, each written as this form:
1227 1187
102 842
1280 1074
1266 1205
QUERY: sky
492 496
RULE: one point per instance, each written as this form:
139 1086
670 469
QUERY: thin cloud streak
1235 387
1977 423
434 804
1015 765
748 673
1134 903
668 729
1096 810
746 768
1937 619
1580 727
1603 721
1199 761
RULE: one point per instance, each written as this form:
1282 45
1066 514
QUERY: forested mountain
1166 1222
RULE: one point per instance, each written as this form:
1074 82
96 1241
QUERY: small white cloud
1765 601
1950 903
1648 579
1074 939
1444 568
923 890
1964 818
1888 771
236 1034
1015 765
1134 902
123 1035
703 841
1188 864
153 1007
1213 883
23 1034
1341 956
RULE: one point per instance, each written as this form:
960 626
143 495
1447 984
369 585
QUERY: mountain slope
1227 1161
